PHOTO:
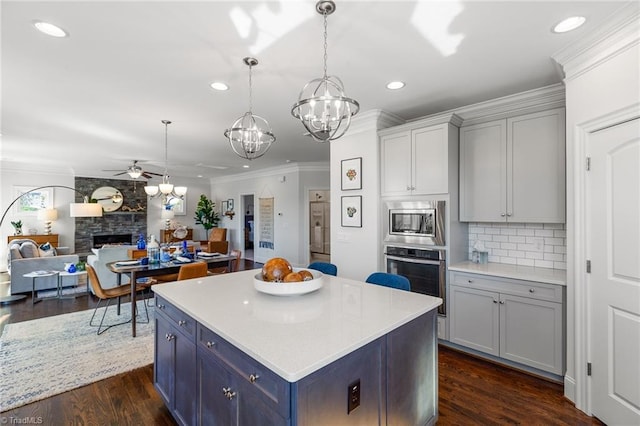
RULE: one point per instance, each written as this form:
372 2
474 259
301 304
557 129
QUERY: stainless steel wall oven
425 268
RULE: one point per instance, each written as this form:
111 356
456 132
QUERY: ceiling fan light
134 174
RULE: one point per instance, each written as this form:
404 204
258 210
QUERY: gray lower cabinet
521 321
205 380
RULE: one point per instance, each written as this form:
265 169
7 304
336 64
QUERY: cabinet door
483 172
531 332
430 160
163 372
185 377
536 167
216 406
475 319
396 164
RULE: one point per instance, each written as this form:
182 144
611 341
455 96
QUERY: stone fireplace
121 226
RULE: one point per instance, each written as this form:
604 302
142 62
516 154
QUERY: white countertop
529 273
295 335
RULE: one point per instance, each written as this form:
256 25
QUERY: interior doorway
248 226
319 225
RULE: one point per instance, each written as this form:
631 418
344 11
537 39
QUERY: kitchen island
348 353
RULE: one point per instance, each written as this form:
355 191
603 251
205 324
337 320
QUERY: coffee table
63 274
39 274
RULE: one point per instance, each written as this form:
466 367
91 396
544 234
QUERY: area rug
44 357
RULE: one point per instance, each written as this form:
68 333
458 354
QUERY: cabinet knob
228 393
502 302
469 281
161 306
408 188
210 344
495 301
502 214
253 378
181 322
531 290
509 214
169 336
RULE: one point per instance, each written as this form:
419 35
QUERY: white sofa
107 254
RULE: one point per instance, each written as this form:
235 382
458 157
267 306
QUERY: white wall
10 177
357 252
602 76
288 186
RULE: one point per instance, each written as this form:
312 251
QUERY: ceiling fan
135 171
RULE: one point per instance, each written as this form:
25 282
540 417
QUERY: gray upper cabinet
513 170
416 158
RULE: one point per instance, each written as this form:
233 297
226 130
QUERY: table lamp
48 216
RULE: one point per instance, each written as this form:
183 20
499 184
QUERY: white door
613 246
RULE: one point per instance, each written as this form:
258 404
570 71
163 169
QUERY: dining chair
109 294
192 270
389 280
324 267
234 265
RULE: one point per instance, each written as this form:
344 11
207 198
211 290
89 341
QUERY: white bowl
289 289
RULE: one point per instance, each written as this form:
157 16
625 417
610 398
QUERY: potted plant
17 226
206 214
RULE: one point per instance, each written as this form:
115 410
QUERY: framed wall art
351 211
31 202
351 174
178 205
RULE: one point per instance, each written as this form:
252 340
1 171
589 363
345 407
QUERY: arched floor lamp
84 209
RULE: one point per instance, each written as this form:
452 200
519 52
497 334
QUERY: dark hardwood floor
472 391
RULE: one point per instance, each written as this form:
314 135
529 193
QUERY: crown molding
273 171
619 33
543 98
374 119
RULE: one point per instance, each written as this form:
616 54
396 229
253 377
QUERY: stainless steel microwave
415 222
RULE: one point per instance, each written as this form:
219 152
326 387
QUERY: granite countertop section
529 273
295 335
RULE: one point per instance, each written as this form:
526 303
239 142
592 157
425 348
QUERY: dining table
136 270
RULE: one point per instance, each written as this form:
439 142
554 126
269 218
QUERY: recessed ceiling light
246 166
569 24
217 85
49 29
395 85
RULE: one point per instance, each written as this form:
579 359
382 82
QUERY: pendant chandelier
250 136
322 107
166 190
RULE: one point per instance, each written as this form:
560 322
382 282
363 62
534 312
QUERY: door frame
579 251
243 208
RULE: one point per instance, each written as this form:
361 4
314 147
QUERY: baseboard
570 389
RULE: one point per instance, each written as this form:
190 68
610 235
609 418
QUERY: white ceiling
95 100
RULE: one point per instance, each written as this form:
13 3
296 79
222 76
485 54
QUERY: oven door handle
412 260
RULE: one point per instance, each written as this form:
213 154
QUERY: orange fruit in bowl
275 269
293 277
306 275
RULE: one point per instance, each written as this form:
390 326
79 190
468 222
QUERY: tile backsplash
541 245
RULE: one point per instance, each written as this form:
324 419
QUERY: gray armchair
24 258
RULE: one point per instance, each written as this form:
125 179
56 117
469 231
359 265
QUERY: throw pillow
29 249
47 250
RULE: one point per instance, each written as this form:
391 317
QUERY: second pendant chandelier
250 136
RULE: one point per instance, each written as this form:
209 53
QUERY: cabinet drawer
521 288
274 390
183 322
